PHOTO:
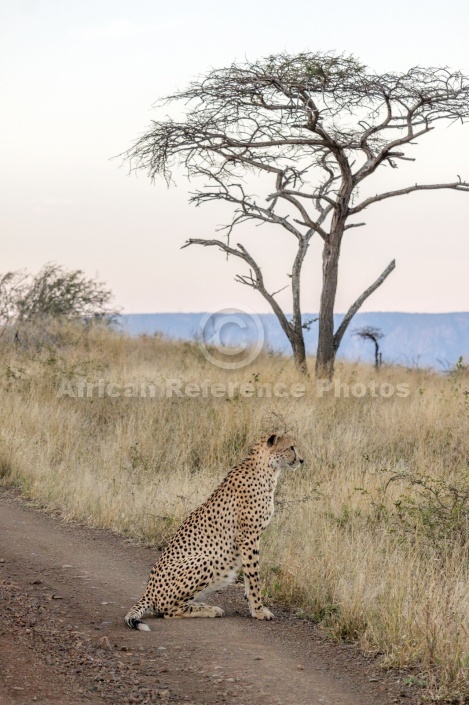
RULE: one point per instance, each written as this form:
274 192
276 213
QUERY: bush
54 292
434 510
34 304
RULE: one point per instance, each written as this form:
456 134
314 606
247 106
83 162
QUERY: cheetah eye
292 447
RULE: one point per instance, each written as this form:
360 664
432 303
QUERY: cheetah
218 539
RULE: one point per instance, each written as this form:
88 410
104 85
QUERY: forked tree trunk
329 342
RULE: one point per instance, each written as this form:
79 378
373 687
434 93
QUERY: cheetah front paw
218 612
264 613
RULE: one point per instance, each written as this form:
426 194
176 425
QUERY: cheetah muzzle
218 539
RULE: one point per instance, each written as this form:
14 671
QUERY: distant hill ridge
434 340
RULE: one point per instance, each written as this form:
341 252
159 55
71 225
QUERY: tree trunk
298 339
294 333
299 354
326 349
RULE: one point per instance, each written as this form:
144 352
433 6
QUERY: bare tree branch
256 282
456 186
358 303
353 225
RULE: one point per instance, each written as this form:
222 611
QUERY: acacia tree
373 334
317 125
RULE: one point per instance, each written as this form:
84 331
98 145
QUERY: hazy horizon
437 340
290 313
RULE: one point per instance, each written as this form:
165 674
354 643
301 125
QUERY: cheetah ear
272 440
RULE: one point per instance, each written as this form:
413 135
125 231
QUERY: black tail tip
137 624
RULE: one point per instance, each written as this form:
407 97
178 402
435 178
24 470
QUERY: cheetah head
283 453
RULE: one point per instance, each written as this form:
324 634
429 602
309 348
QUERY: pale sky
78 80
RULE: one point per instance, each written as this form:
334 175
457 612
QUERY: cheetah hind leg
197 573
195 609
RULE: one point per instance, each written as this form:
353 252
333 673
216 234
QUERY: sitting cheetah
219 538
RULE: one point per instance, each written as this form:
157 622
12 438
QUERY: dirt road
64 591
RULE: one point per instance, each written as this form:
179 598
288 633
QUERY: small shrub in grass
434 510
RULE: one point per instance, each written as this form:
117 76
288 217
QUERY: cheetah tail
132 618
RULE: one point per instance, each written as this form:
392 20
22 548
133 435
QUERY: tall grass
366 538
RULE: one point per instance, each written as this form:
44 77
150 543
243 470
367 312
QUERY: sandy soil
64 589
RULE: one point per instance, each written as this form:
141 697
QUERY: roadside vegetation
370 539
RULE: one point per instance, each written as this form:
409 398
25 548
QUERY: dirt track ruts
64 591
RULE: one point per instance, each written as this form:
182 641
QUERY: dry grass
339 548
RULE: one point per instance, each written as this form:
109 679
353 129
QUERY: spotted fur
218 539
